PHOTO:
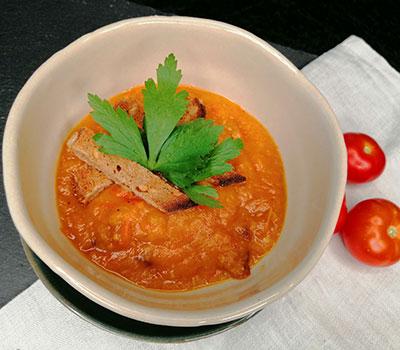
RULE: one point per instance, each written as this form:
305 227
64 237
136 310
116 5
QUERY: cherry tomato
372 232
365 158
342 216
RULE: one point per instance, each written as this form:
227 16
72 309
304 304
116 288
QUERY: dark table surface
31 32
314 26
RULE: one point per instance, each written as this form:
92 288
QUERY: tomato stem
367 149
392 231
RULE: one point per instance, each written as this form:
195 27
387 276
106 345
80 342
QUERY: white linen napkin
340 305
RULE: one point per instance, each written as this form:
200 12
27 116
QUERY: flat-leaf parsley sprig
184 154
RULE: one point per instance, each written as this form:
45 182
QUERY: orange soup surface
190 248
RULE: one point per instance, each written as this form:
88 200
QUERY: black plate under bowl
113 322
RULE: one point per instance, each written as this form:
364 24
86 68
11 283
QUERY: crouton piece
89 182
236 262
141 181
133 108
195 109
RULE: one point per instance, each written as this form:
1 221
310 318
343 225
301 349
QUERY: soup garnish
184 154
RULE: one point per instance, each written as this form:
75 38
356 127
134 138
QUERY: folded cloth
340 305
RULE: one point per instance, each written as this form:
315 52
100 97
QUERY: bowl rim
91 289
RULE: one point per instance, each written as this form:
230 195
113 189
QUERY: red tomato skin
342 216
365 158
372 232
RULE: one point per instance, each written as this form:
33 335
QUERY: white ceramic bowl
215 56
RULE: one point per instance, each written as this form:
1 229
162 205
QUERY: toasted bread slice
133 108
195 109
89 182
141 181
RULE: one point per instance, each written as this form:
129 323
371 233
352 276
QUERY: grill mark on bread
227 179
139 180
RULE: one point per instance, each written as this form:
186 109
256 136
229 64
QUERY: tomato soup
190 248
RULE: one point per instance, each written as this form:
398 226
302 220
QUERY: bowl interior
213 56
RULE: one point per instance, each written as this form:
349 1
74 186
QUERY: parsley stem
151 164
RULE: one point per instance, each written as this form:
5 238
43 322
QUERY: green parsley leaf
211 165
202 195
179 179
163 106
125 139
216 163
188 145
